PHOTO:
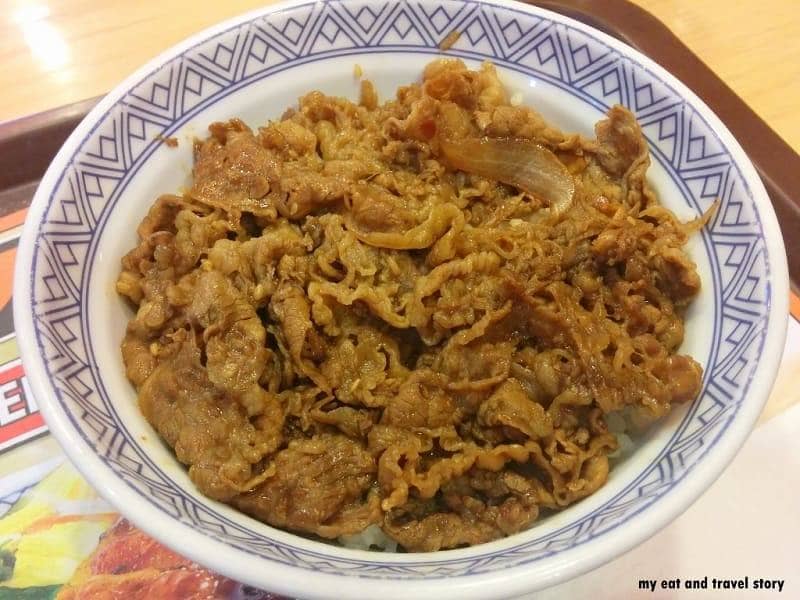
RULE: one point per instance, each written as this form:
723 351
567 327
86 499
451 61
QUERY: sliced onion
522 163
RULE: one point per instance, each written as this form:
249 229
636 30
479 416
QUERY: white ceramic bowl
70 321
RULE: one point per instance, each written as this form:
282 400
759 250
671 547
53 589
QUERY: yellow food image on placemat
49 532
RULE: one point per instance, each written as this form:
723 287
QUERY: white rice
618 425
616 422
372 538
626 447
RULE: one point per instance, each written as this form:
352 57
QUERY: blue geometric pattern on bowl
568 57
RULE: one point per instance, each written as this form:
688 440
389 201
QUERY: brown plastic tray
27 145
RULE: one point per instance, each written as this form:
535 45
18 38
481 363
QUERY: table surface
55 52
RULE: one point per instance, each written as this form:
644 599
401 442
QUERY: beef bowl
427 299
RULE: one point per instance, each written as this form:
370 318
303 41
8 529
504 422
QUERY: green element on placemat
7 560
47 592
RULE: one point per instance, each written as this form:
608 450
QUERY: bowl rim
288 579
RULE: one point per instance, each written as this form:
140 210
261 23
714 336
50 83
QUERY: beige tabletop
54 52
